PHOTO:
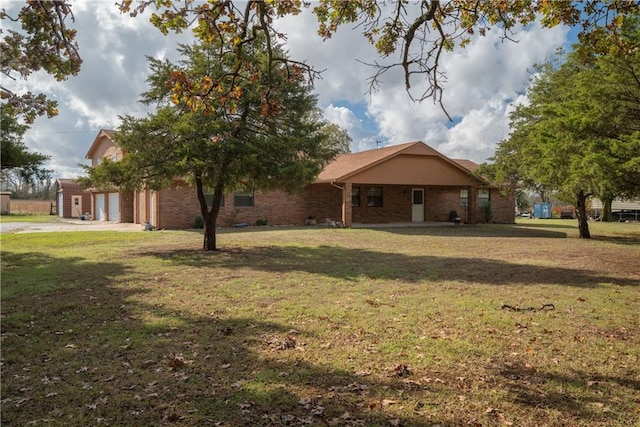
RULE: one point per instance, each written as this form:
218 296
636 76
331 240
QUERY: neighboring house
72 201
409 182
621 210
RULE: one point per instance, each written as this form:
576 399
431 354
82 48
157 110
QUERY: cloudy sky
484 80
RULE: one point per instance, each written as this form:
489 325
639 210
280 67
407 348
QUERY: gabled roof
467 164
69 185
347 165
101 134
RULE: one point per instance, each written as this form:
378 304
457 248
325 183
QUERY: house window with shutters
355 196
484 197
243 200
464 197
208 197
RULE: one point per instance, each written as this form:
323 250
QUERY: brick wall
440 201
276 207
396 205
179 206
323 201
503 208
126 206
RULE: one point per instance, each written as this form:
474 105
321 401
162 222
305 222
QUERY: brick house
112 204
409 182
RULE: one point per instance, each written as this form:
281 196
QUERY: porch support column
346 205
473 204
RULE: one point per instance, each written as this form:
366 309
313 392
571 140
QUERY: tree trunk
606 209
210 232
209 216
581 212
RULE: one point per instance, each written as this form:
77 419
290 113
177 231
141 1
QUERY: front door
417 210
76 206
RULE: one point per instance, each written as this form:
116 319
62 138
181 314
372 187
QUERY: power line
59 132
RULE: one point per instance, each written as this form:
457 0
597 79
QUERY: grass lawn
315 326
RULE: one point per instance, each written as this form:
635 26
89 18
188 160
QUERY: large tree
258 128
18 165
580 132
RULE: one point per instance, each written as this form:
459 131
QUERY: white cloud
481 82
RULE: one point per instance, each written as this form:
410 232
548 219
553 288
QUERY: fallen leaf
289 342
401 371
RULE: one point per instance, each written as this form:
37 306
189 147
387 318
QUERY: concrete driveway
65 225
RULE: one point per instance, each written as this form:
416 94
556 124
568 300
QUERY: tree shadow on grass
492 230
34 272
105 353
630 240
538 388
352 264
96 354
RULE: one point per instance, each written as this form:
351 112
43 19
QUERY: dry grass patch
324 327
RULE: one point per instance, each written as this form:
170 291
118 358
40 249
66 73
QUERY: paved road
67 225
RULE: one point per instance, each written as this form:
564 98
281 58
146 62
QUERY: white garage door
59 205
114 207
100 212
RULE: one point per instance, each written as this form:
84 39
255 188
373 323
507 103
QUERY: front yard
522 325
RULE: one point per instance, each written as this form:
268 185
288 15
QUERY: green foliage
43 42
410 35
487 212
245 132
580 133
522 201
18 164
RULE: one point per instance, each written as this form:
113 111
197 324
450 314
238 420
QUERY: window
355 196
208 196
464 197
243 199
374 196
483 197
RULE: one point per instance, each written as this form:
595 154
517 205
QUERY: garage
114 207
100 208
60 205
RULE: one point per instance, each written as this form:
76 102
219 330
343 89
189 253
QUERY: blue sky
483 82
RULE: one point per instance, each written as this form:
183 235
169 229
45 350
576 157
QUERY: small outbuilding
72 201
5 202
